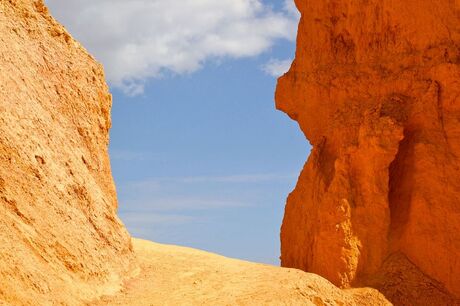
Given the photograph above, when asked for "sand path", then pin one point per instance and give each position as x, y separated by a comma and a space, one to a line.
172, 275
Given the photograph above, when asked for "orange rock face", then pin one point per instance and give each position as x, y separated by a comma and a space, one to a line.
60, 239
375, 87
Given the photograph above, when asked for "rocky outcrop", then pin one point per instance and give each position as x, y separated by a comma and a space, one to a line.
60, 239
61, 242
375, 87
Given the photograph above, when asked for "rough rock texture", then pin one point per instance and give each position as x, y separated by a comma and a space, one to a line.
173, 275
375, 87
60, 239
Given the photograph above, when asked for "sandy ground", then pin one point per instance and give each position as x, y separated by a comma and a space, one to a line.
172, 275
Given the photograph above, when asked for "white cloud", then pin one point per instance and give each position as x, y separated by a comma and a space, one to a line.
289, 6
141, 39
277, 68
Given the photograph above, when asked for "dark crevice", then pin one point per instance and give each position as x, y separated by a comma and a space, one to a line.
401, 183
325, 161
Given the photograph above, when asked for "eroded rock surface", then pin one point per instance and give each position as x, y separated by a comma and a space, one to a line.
375, 87
60, 239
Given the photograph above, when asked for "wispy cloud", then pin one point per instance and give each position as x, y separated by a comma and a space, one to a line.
245, 178
183, 203
182, 208
192, 193
277, 68
291, 9
126, 155
157, 226
145, 218
143, 39
229, 179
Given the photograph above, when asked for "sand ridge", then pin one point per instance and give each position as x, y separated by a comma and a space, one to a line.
173, 275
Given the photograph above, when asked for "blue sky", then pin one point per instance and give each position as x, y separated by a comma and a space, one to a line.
199, 154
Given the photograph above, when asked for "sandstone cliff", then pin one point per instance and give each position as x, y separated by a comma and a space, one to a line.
60, 238
375, 87
61, 242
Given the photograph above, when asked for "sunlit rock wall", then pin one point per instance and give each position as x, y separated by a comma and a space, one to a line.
375, 87
60, 239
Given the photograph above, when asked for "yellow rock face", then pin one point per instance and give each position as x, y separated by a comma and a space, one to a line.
60, 238
61, 242
356, 217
